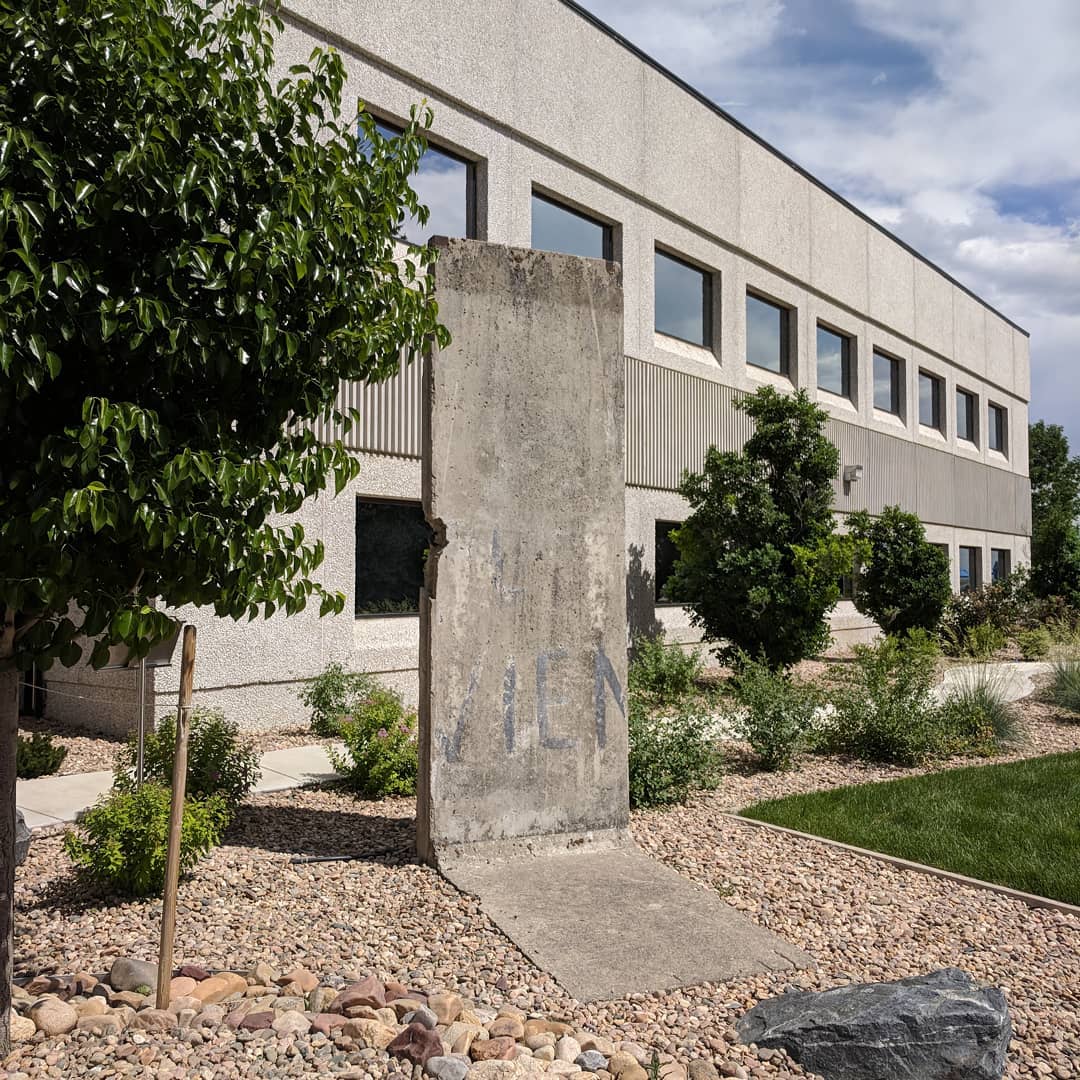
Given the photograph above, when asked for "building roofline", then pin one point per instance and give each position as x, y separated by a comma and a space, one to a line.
612, 33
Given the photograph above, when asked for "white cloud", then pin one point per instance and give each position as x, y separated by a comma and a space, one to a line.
993, 105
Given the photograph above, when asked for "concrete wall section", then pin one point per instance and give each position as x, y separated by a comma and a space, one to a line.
523, 659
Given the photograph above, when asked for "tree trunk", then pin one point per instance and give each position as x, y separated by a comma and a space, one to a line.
9, 728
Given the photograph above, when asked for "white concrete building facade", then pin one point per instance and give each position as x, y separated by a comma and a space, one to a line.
739, 269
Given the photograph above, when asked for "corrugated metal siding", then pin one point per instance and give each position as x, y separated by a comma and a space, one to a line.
390, 415
672, 418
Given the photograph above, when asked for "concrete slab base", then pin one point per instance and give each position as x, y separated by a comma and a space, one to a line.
611, 922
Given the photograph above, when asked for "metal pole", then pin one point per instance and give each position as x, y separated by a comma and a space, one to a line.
141, 680
176, 820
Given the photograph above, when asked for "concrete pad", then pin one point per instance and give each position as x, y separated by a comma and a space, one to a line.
613, 922
300, 764
52, 799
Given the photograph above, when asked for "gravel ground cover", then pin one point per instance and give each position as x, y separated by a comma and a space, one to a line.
92, 751
381, 913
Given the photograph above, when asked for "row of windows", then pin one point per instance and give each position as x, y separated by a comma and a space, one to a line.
683, 303
392, 539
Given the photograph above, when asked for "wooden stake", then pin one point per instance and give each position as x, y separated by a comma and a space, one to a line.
176, 820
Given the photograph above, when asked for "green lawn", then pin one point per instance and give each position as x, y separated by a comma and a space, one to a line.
1015, 824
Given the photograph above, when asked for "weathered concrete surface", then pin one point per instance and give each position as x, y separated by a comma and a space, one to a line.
523, 648
614, 922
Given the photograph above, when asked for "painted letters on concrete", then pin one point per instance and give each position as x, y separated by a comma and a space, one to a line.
523, 650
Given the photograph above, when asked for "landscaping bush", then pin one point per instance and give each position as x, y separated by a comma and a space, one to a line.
884, 704
903, 579
1034, 644
333, 696
670, 756
1007, 606
760, 559
38, 756
380, 756
977, 718
663, 673
1064, 691
220, 763
982, 641
778, 714
122, 842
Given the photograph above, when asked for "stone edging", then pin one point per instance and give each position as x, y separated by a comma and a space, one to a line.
906, 864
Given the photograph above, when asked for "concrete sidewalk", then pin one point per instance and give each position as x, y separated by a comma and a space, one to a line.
54, 800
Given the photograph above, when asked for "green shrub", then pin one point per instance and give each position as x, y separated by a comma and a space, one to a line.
1004, 605
903, 580
380, 756
38, 756
122, 842
760, 559
977, 719
982, 641
778, 714
670, 756
219, 762
663, 673
1064, 691
885, 709
1034, 644
333, 696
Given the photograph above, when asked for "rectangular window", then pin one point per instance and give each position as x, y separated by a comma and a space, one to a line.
446, 185
886, 383
999, 563
997, 429
767, 334
970, 576
682, 300
965, 416
930, 394
392, 539
833, 362
847, 586
558, 228
666, 556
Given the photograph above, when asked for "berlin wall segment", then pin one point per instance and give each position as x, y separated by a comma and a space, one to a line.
523, 616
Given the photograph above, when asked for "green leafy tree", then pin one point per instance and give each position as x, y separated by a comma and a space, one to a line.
759, 556
903, 579
193, 256
1055, 505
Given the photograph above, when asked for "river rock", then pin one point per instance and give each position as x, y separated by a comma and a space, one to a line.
128, 974
53, 1016
931, 1027
22, 838
416, 1044
446, 1067
22, 1028
291, 1023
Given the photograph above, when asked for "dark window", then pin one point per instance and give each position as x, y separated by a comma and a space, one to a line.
682, 300
767, 334
999, 563
392, 539
833, 362
930, 411
997, 433
847, 586
446, 185
886, 383
666, 555
970, 577
558, 228
965, 415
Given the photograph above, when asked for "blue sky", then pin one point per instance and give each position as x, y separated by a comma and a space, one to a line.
955, 123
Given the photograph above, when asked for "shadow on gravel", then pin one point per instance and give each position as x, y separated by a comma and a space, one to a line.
325, 834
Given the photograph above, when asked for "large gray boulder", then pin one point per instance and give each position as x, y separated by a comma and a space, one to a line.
22, 839
940, 1026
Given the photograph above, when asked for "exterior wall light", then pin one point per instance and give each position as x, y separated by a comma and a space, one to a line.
852, 473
